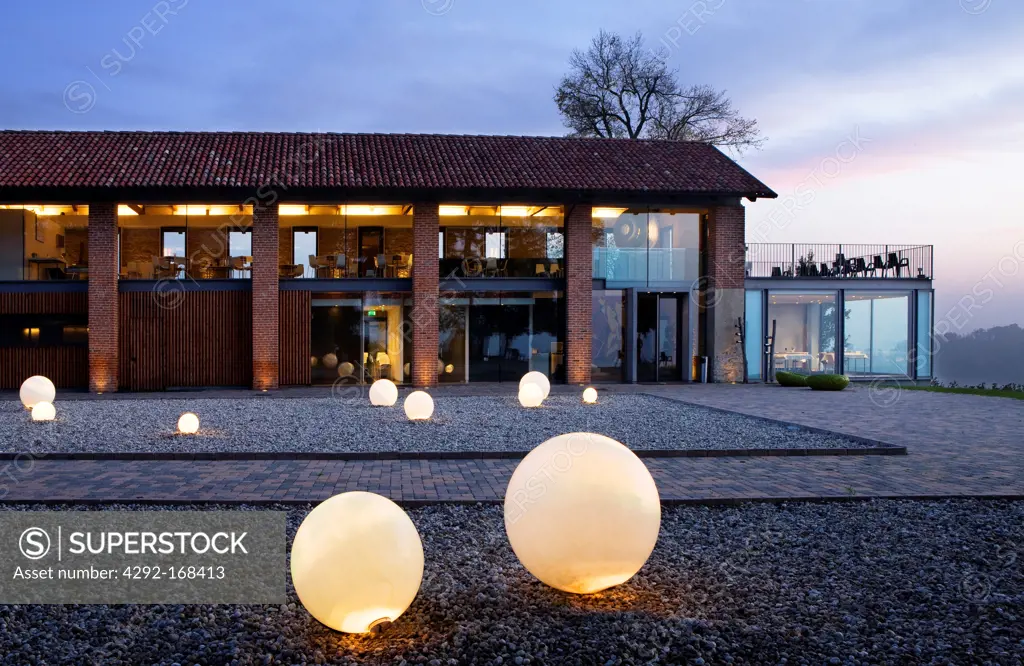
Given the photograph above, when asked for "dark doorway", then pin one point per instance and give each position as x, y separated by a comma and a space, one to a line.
371, 251
659, 332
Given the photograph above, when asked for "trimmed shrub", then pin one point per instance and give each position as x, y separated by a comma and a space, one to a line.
828, 382
790, 378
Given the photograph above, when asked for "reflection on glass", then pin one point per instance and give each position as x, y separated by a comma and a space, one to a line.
668, 338
173, 242
877, 324
754, 343
645, 246
924, 334
806, 330
500, 336
608, 327
361, 338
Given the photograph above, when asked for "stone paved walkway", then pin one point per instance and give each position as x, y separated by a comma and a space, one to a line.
959, 445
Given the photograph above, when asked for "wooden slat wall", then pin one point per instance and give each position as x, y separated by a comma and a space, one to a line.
206, 340
66, 366
294, 316
45, 303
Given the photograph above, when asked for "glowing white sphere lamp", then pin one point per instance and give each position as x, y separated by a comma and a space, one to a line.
188, 424
530, 395
330, 360
357, 562
43, 411
346, 369
419, 406
383, 393
590, 395
37, 389
538, 378
565, 501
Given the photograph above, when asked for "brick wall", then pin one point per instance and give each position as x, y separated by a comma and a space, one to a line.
579, 292
103, 318
425, 295
265, 299
725, 297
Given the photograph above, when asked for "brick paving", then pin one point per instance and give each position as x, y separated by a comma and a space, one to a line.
958, 445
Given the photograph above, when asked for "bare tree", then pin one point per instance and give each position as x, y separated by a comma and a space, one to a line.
618, 88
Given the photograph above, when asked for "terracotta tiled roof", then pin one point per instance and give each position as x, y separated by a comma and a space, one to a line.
38, 159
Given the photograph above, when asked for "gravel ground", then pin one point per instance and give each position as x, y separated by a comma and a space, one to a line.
881, 582
349, 423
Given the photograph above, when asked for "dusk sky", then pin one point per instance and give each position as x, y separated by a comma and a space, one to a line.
920, 100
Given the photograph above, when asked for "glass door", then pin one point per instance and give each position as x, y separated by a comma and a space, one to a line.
659, 337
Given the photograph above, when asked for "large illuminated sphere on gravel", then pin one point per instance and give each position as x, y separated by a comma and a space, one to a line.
383, 393
590, 395
188, 424
530, 395
419, 406
37, 389
357, 562
538, 378
43, 411
582, 513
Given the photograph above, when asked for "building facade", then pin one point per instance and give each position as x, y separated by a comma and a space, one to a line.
156, 260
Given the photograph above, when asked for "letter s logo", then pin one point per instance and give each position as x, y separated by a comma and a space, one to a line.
34, 543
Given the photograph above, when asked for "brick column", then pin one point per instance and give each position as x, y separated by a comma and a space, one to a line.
424, 294
725, 297
265, 298
578, 293
103, 317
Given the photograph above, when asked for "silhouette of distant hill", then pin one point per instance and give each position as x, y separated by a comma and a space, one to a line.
983, 356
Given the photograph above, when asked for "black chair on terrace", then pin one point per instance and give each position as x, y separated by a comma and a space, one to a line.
877, 265
811, 270
860, 267
825, 270
776, 271
896, 262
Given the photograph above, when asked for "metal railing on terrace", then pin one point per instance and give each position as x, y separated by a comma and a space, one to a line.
823, 260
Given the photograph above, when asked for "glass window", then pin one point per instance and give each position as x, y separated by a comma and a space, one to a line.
346, 241
608, 331
876, 327
501, 241
753, 339
673, 246
619, 238
44, 242
44, 330
194, 241
500, 336
360, 338
646, 246
924, 334
304, 250
806, 326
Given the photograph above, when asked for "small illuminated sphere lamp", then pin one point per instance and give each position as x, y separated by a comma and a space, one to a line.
440, 366
43, 411
383, 393
346, 369
449, 369
36, 389
330, 360
419, 406
567, 497
530, 395
590, 395
407, 368
313, 360
357, 562
188, 424
538, 378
